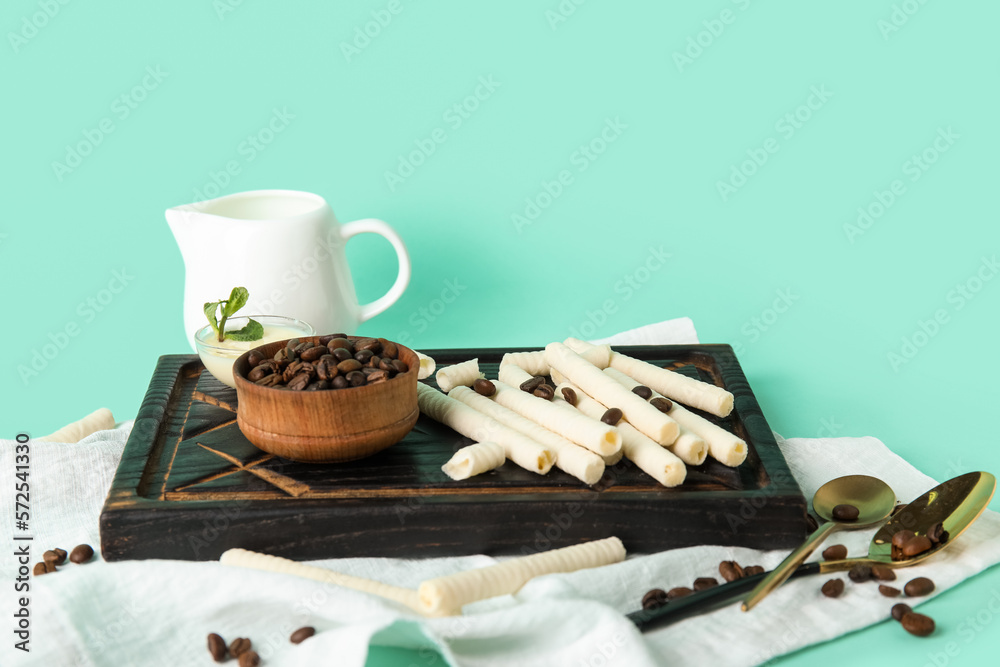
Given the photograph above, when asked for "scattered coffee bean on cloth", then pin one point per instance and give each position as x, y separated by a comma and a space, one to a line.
302, 634
239, 646
888, 591
860, 573
217, 647
654, 599
679, 592
81, 553
833, 588
703, 583
918, 587
730, 570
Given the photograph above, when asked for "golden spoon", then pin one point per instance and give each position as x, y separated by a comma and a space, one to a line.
956, 504
871, 496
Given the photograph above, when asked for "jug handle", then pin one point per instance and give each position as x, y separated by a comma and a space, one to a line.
375, 226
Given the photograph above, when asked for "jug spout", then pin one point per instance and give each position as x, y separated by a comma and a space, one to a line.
182, 221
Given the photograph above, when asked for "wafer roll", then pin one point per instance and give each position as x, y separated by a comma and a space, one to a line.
607, 391
520, 449
723, 446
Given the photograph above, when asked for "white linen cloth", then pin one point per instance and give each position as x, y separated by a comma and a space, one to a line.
159, 612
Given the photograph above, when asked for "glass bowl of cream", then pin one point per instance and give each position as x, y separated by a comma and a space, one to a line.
218, 356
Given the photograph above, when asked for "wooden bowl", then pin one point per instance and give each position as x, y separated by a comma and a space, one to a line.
328, 425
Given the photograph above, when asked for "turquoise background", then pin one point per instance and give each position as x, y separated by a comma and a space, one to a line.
821, 367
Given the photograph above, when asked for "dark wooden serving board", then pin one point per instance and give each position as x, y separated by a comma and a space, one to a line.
190, 486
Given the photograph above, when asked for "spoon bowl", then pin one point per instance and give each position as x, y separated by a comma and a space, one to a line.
871, 496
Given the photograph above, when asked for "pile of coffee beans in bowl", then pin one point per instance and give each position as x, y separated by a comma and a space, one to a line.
334, 362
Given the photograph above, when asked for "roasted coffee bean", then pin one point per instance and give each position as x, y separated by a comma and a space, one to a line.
81, 553
375, 361
545, 391
569, 395
377, 376
356, 378
283, 354
292, 344
752, 570
364, 356
918, 587
730, 570
291, 370
269, 380
860, 573
349, 366
325, 340
341, 354
301, 348
811, 522
249, 659
50, 566
258, 373
642, 391
902, 537
833, 588
935, 532
217, 647
318, 385
883, 573
917, 624
701, 583
61, 553
400, 366
239, 646
532, 384
917, 546
484, 387
39, 569
254, 358
326, 368
386, 365
305, 633
835, 552
888, 591
271, 364
341, 343
299, 382
654, 599
51, 557
340, 382
664, 405
679, 592
900, 610
389, 349
314, 353
612, 416
845, 512
368, 344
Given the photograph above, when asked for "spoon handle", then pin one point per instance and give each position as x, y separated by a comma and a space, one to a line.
778, 575
705, 601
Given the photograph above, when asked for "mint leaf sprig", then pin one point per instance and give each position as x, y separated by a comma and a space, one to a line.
226, 309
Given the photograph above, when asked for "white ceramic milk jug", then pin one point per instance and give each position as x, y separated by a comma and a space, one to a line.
287, 249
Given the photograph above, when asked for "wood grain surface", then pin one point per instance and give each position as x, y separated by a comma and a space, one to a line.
190, 485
